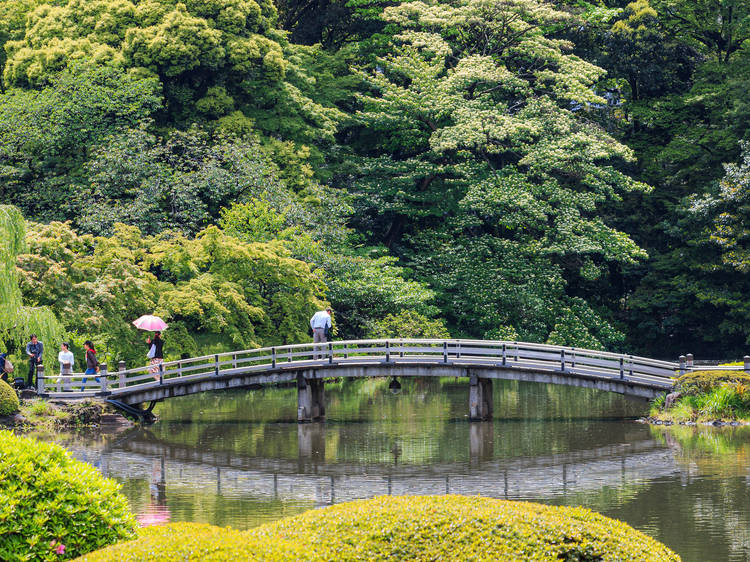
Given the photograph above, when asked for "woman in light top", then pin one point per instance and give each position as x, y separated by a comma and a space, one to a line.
66, 360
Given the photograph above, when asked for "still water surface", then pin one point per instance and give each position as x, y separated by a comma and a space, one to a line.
240, 459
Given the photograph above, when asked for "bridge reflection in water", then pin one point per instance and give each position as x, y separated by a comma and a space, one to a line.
310, 478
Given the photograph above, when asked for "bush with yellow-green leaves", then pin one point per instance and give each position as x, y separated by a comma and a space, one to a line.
53, 507
404, 528
8, 400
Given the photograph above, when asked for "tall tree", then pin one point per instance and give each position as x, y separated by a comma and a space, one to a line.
484, 171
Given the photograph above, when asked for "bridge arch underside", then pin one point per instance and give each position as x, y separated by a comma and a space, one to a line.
314, 376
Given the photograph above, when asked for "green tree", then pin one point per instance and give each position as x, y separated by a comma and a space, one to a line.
216, 292
221, 62
481, 171
47, 135
181, 181
363, 289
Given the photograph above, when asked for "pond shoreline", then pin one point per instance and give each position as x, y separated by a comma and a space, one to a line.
36, 413
710, 423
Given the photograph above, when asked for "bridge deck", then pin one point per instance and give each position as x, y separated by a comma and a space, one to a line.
401, 357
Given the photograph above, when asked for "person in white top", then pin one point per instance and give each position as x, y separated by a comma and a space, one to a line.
66, 360
321, 324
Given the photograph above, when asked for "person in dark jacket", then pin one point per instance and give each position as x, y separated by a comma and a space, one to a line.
34, 349
92, 364
157, 357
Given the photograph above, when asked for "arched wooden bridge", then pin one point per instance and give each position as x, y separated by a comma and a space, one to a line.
310, 364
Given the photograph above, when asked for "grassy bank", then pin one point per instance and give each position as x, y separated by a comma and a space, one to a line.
706, 396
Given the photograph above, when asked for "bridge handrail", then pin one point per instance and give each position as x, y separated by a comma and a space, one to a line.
425, 341
503, 352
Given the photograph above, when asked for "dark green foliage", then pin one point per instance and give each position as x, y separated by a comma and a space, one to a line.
47, 134
542, 171
53, 507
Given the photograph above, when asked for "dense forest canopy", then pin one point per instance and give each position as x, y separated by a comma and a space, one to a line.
565, 172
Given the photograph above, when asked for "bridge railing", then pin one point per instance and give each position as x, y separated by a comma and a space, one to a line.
507, 354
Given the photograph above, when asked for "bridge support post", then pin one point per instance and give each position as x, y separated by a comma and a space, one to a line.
310, 398
480, 398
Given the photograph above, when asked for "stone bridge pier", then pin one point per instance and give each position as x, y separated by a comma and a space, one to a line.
311, 397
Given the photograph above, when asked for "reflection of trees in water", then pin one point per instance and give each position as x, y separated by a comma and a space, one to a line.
708, 450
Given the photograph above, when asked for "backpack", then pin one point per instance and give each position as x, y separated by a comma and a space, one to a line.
8, 368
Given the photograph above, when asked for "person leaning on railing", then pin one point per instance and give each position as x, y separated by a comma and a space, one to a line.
321, 325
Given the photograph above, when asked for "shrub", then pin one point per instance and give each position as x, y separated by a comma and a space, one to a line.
8, 400
405, 528
53, 506
699, 382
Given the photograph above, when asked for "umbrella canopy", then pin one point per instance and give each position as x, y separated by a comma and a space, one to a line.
150, 323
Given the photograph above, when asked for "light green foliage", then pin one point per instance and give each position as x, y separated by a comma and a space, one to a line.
8, 400
243, 295
701, 382
363, 290
709, 395
406, 528
20, 318
48, 499
494, 181
407, 324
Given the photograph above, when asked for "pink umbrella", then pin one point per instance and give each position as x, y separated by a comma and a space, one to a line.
150, 323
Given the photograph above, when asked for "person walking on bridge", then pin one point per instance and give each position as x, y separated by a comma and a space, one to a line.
321, 326
155, 354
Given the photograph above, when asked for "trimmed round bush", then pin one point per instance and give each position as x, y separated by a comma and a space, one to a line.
405, 528
53, 507
8, 400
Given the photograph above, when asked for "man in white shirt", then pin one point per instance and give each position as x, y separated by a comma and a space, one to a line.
320, 324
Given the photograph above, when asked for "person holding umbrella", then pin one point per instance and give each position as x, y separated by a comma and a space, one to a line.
156, 346
155, 353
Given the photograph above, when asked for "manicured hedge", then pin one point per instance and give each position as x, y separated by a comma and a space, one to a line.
405, 528
700, 382
53, 507
8, 400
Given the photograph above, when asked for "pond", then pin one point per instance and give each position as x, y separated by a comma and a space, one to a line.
240, 459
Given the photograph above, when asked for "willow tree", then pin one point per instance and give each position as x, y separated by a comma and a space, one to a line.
18, 321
